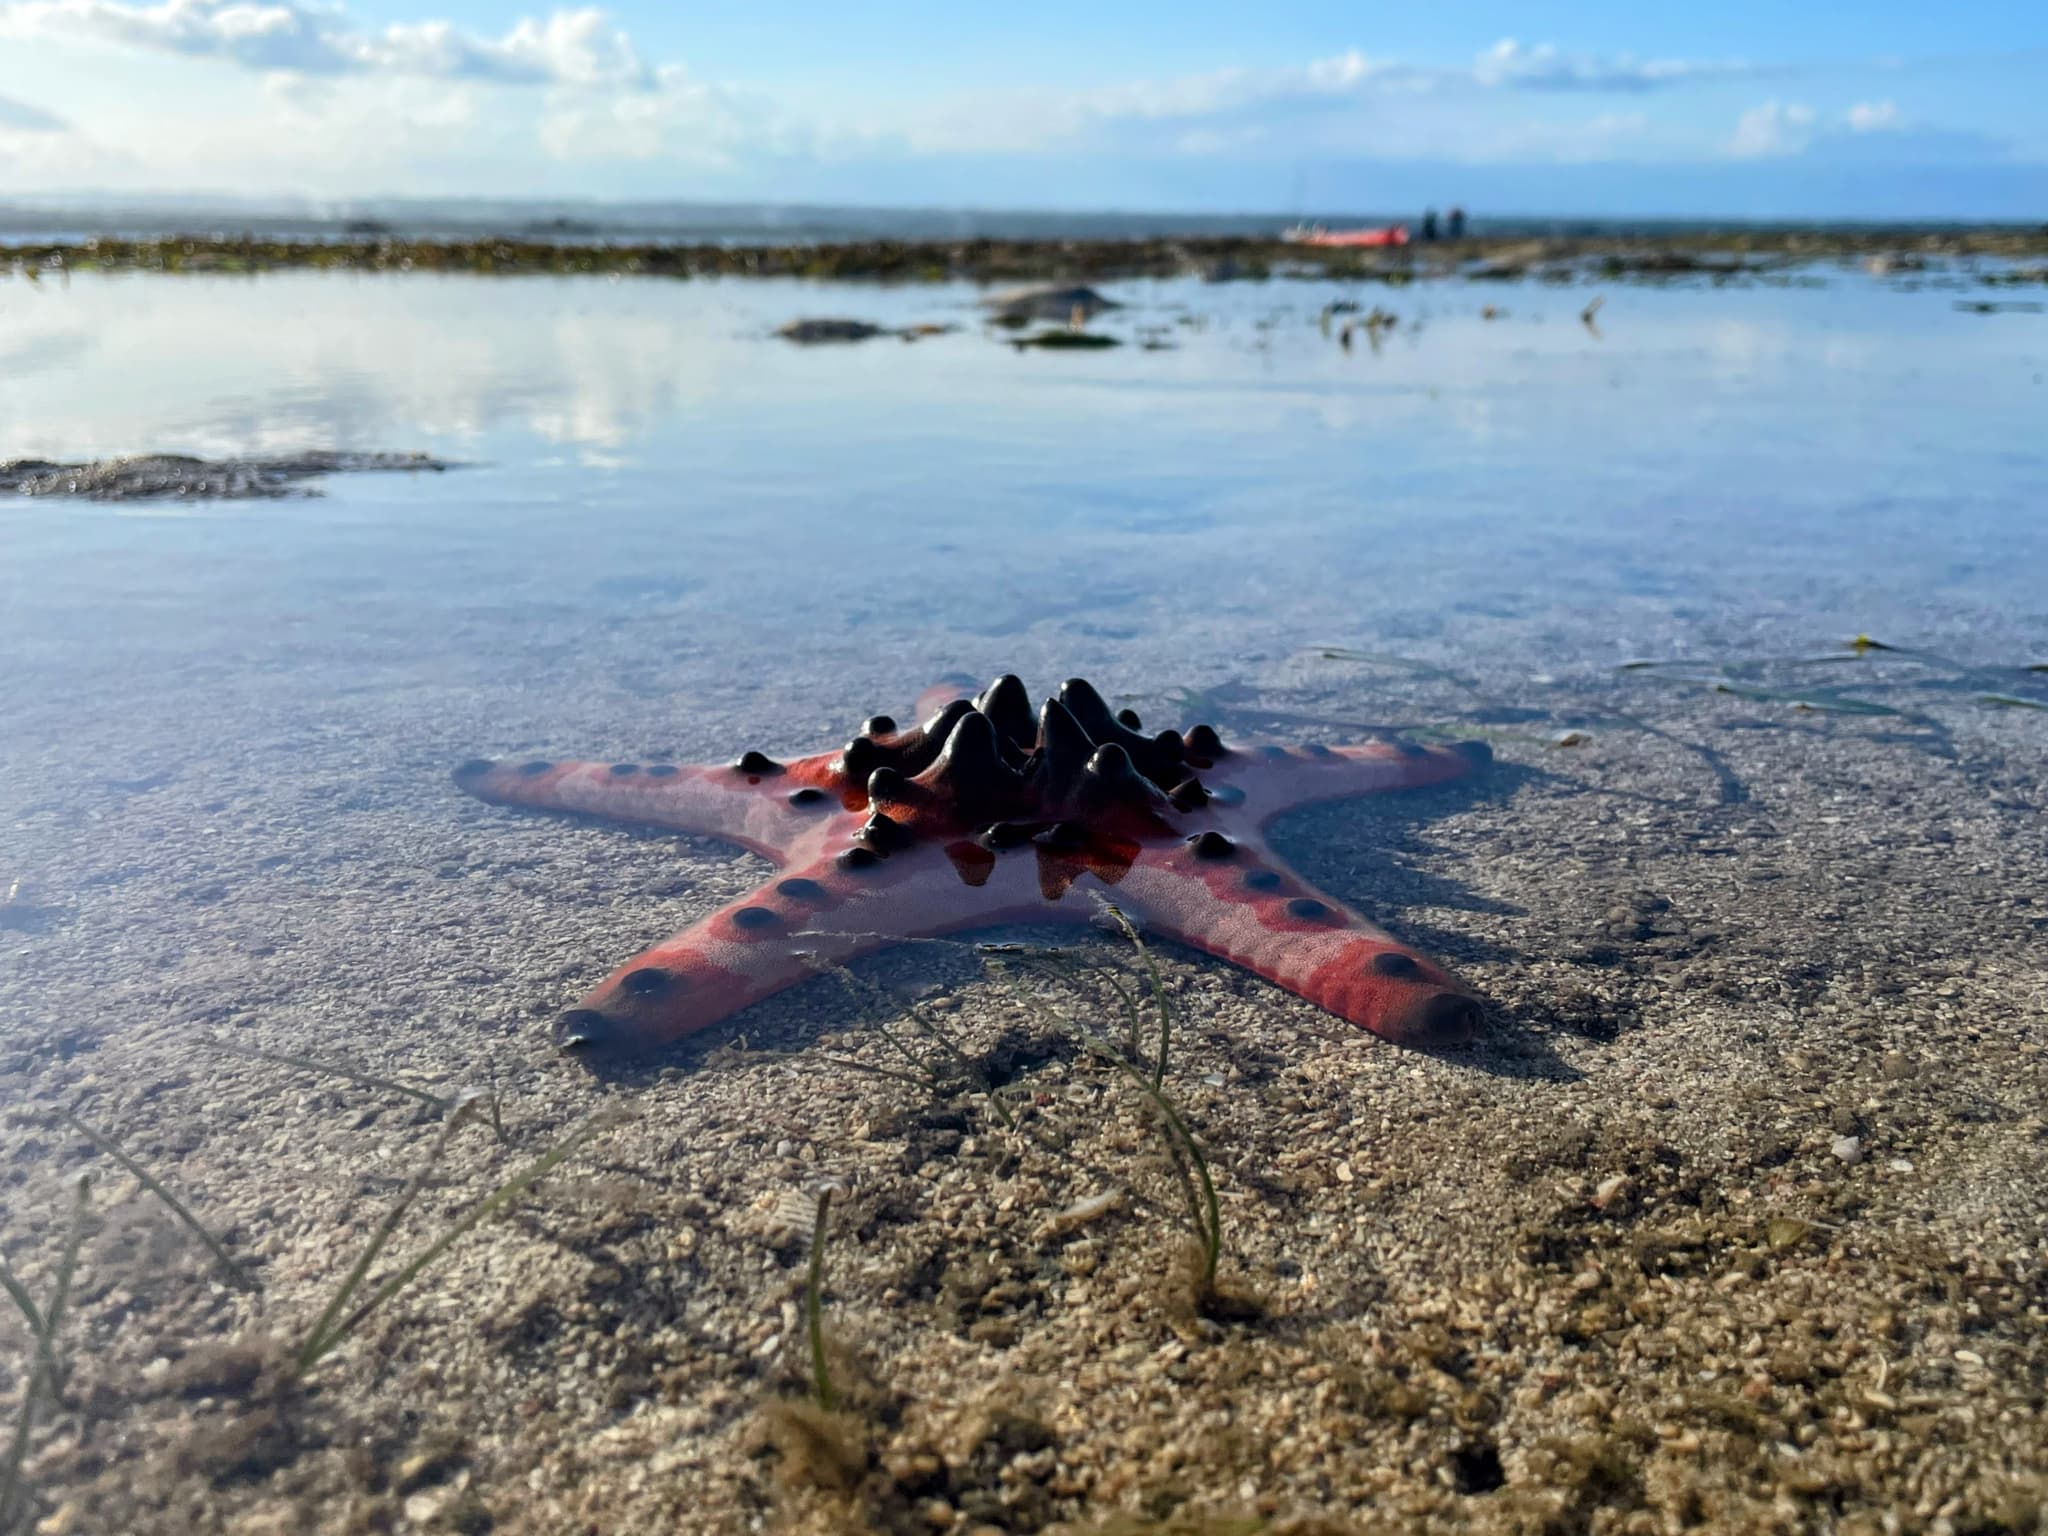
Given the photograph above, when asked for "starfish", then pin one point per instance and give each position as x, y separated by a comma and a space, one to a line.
988, 814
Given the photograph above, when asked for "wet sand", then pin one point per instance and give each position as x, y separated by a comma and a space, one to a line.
1732, 1221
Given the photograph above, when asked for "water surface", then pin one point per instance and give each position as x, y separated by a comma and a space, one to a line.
652, 475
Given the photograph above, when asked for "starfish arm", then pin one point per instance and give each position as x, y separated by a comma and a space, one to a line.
768, 812
1238, 902
1269, 780
813, 915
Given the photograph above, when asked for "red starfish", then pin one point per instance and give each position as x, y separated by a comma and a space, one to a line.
985, 815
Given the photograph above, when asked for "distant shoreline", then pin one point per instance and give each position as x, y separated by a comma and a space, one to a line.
1714, 255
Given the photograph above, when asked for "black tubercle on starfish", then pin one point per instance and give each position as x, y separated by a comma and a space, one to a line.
859, 758
884, 834
757, 762
887, 785
1008, 708
1062, 834
648, 982
989, 770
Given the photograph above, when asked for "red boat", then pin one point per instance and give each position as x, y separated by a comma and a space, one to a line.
1302, 234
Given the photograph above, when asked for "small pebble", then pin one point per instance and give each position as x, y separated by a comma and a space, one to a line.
1848, 1149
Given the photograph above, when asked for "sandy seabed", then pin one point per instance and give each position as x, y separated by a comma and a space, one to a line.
1733, 1220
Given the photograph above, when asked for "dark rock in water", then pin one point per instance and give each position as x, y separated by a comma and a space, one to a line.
157, 476
1071, 341
807, 333
1019, 306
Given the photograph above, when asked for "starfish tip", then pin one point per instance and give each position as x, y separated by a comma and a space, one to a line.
473, 770
584, 1029
1436, 1021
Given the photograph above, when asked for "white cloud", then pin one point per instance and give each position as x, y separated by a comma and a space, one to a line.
1775, 128
678, 120
579, 48
1868, 133
20, 117
301, 95
599, 100
1211, 108
1222, 91
1545, 68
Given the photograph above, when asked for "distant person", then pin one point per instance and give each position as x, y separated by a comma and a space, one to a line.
1456, 222
1428, 225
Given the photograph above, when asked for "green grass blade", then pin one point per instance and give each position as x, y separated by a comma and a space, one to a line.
489, 1206
11, 1283
333, 1069
42, 1375
235, 1275
1824, 700
1158, 991
814, 1304
1205, 1212
1397, 663
325, 1333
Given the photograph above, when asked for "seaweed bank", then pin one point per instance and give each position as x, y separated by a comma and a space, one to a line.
1989, 255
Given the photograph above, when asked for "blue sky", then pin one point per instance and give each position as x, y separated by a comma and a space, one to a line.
1882, 109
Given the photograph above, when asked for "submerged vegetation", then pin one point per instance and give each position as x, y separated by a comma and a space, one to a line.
43, 1380
45, 1373
341, 1319
153, 476
1906, 678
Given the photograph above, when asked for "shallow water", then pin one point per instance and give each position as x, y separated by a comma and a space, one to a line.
1846, 453
671, 526
226, 730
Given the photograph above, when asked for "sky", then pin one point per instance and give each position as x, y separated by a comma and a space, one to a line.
1882, 109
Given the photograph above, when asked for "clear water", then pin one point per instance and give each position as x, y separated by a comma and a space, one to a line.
655, 485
